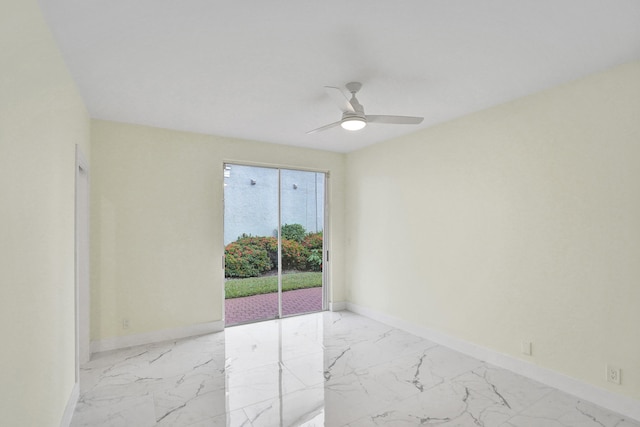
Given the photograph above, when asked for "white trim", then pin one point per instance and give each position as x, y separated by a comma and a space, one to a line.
338, 306
273, 165
614, 402
156, 336
71, 406
81, 287
223, 291
327, 284
279, 236
81, 282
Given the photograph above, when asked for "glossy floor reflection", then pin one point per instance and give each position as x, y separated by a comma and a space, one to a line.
333, 369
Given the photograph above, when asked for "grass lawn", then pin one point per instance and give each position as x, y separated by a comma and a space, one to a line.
235, 288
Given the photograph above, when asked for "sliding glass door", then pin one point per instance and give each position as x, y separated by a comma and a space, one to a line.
251, 216
302, 228
274, 224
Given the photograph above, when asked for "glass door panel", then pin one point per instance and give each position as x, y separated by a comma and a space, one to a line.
251, 208
302, 226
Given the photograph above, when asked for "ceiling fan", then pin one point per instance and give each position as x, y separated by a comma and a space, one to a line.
353, 117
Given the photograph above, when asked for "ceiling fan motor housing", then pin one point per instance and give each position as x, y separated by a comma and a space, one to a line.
358, 113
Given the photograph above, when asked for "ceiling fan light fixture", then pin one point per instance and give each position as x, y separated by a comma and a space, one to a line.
353, 117
353, 123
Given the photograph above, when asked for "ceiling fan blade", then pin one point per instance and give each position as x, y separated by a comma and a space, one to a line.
340, 99
325, 127
395, 120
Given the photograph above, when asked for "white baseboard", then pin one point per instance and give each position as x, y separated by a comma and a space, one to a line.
71, 406
156, 336
337, 306
604, 398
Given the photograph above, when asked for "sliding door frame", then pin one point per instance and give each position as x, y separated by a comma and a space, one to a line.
325, 236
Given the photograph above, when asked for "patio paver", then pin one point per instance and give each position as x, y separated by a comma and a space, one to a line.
262, 307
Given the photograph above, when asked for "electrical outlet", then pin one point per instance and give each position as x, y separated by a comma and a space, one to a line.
525, 347
125, 323
613, 374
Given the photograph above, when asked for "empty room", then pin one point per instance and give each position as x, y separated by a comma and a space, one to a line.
348, 214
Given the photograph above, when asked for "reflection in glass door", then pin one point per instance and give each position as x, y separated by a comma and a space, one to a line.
274, 245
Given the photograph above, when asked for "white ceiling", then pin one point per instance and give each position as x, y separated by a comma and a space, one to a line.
255, 69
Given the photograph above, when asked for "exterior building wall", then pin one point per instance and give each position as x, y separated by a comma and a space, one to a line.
251, 200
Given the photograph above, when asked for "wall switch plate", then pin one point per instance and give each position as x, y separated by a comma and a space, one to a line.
125, 323
613, 374
525, 347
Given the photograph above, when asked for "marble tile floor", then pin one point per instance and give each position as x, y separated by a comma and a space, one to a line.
321, 369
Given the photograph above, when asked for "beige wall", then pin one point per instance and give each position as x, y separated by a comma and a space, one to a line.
521, 222
517, 223
41, 119
157, 223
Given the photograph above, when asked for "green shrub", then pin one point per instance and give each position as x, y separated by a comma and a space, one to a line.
313, 241
270, 244
314, 260
245, 260
250, 256
295, 232
312, 244
294, 255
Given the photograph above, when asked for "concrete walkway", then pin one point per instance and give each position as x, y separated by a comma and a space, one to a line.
262, 307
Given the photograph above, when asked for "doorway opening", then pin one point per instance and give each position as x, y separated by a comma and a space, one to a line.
274, 235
